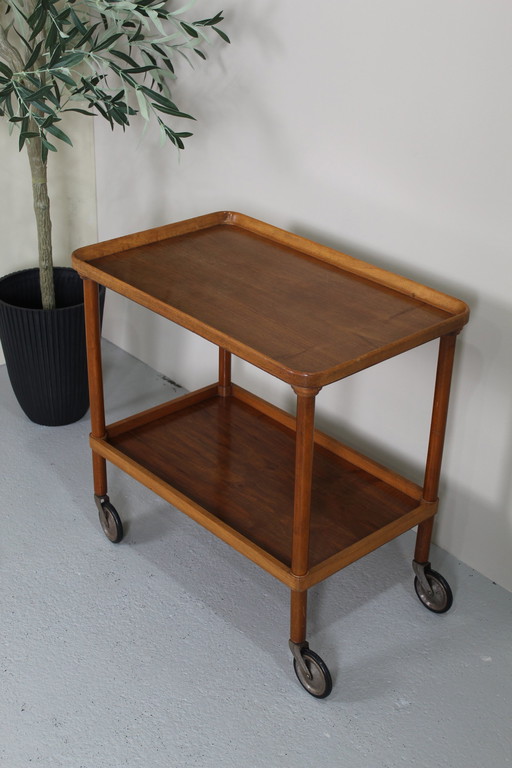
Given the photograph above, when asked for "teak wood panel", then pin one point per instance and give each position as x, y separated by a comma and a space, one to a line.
308, 315
238, 464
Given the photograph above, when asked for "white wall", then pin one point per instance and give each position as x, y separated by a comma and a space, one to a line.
382, 129
71, 183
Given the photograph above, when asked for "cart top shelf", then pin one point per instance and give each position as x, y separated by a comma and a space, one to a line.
299, 310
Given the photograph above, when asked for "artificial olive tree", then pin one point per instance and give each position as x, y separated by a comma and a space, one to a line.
112, 58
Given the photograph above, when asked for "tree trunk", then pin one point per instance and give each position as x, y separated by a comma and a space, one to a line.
38, 169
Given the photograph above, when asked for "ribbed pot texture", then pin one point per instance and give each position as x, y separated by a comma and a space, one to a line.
45, 350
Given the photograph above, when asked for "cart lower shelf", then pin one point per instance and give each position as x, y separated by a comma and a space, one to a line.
229, 463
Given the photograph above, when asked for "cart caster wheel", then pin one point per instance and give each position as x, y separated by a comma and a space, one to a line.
318, 681
110, 521
439, 599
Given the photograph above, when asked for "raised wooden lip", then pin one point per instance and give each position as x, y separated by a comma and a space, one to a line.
404, 285
457, 311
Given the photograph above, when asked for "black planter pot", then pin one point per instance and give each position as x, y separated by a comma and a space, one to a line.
45, 349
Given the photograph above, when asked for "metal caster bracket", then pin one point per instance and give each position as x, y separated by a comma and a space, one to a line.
100, 500
296, 649
419, 571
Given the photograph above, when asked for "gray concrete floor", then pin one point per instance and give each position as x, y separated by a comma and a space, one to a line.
170, 649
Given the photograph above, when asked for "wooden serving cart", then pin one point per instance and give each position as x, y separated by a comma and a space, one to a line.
290, 498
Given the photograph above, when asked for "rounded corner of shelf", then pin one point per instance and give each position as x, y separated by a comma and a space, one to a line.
229, 216
79, 256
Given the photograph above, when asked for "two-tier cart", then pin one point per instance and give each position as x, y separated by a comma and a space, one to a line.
290, 498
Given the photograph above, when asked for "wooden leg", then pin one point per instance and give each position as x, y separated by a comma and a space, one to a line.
310, 669
436, 441
97, 406
423, 539
224, 372
298, 616
302, 502
99, 473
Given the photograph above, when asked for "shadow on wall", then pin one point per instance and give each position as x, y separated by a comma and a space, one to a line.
391, 264
411, 466
479, 499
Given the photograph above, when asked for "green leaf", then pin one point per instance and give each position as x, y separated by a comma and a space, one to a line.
35, 54
49, 121
24, 133
42, 107
189, 30
78, 24
5, 70
71, 60
222, 34
126, 77
172, 110
59, 134
107, 42
37, 20
63, 76
52, 38
41, 92
143, 105
139, 70
124, 56
88, 34
147, 56
137, 35
81, 111
54, 95
8, 106
58, 51
102, 111
47, 144
210, 22
165, 59
36, 81
119, 116
157, 97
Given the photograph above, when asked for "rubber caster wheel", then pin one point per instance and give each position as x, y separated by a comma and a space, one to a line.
319, 684
110, 522
440, 598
